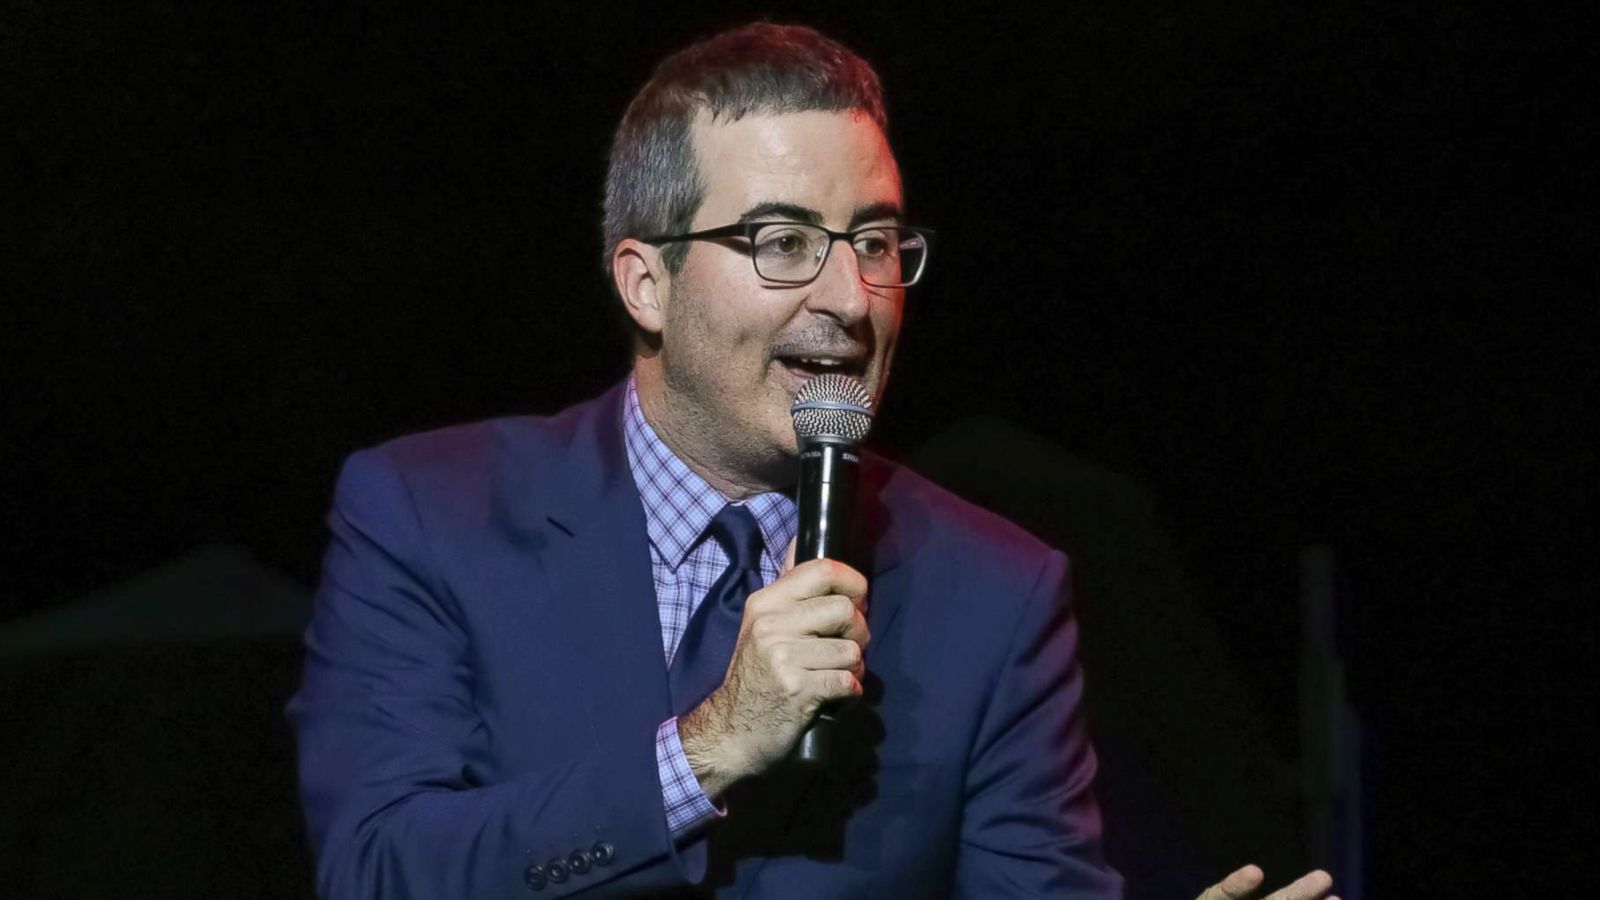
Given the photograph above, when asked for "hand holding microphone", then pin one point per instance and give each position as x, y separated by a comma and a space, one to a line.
802, 638
832, 415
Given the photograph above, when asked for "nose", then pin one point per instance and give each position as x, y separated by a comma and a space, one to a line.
838, 290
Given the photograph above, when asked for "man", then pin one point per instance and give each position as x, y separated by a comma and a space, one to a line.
570, 654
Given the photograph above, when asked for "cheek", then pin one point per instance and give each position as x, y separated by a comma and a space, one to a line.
712, 327
716, 306
886, 314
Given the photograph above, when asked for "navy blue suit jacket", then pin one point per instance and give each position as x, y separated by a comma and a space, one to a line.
484, 678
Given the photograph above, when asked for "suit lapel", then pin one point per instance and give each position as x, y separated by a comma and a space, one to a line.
596, 560
882, 543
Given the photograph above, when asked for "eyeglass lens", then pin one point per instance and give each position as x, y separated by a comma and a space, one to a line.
887, 257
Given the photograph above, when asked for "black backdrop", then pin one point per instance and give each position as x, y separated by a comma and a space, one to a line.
1309, 275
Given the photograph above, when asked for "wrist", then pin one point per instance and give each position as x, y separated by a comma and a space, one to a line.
709, 750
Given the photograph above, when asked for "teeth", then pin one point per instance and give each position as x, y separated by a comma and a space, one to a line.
821, 362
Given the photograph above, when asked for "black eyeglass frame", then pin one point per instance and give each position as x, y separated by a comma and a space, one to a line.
747, 230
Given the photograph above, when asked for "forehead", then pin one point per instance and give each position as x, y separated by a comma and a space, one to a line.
830, 162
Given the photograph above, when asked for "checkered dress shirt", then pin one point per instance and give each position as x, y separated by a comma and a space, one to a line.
678, 507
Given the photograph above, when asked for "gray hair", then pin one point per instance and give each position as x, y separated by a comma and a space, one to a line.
653, 183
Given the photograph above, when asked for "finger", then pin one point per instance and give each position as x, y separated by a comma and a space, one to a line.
1313, 885
832, 616
788, 556
856, 629
829, 616
829, 653
1237, 886
832, 684
813, 578
816, 577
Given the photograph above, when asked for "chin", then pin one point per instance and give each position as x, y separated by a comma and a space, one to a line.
781, 440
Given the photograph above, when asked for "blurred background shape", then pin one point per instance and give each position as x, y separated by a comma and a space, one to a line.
145, 752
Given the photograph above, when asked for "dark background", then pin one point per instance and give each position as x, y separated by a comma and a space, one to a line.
1308, 276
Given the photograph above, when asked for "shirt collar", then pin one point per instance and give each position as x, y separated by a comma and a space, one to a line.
679, 504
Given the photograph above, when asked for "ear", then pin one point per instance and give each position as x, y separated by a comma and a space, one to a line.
641, 279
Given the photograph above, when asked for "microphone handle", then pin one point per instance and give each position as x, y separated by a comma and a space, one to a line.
825, 496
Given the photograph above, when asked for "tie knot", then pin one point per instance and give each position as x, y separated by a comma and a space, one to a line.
735, 529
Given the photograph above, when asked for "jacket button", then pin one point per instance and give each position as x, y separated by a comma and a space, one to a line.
556, 869
578, 861
534, 878
603, 853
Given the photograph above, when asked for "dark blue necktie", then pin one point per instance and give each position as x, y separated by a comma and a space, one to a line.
703, 652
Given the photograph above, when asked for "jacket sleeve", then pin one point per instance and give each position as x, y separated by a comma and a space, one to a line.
392, 753
1030, 826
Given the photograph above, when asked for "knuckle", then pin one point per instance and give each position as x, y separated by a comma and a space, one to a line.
791, 684
848, 579
844, 684
763, 628
852, 654
781, 656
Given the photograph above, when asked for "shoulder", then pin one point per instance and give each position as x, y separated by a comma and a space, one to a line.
469, 467
463, 450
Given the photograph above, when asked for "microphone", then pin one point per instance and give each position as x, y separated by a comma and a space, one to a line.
832, 414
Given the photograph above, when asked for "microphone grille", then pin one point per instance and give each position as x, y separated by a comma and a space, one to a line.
832, 406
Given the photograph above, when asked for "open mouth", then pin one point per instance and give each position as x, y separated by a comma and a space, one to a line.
804, 367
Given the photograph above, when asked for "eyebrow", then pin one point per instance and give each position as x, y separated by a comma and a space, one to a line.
772, 209
875, 212
787, 211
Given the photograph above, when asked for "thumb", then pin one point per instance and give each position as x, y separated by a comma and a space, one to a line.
788, 555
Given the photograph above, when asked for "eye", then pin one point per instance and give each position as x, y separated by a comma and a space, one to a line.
875, 243
781, 243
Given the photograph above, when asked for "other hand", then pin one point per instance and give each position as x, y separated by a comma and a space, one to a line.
1243, 884
800, 645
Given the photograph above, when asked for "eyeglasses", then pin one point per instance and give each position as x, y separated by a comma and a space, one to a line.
890, 256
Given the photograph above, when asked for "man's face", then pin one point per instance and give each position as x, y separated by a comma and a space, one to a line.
735, 349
